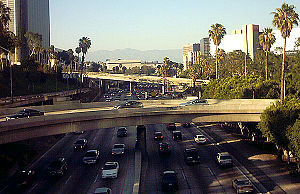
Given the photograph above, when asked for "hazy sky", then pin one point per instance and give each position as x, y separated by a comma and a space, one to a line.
152, 24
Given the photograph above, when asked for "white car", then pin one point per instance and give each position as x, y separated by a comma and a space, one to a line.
200, 139
224, 159
110, 170
242, 185
91, 157
103, 190
118, 149
195, 102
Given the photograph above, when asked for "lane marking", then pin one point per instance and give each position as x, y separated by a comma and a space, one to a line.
32, 188
68, 179
96, 178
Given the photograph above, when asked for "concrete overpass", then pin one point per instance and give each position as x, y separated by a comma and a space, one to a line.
141, 78
64, 121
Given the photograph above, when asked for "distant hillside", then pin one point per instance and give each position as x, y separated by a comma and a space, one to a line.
149, 55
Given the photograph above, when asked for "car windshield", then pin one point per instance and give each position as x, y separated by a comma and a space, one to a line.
244, 182
110, 166
55, 164
122, 129
225, 157
157, 133
170, 177
118, 146
201, 136
79, 141
21, 112
90, 154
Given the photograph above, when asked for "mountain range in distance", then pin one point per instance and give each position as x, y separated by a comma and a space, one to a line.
134, 54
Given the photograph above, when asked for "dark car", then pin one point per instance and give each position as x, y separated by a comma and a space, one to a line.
122, 132
171, 126
169, 181
23, 179
191, 156
158, 135
164, 148
80, 144
58, 167
25, 113
130, 104
177, 135
186, 125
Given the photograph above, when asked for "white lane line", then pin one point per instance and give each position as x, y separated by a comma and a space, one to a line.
94, 139
96, 178
68, 180
32, 188
184, 177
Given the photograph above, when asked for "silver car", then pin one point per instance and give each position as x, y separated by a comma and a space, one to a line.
242, 185
91, 157
118, 149
195, 102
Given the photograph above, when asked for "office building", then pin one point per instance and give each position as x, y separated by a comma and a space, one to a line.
204, 46
32, 16
191, 54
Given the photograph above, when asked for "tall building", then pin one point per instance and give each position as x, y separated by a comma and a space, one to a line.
191, 54
204, 46
32, 16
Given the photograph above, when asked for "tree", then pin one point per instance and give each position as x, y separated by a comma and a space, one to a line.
78, 51
217, 33
297, 43
284, 19
34, 41
71, 57
4, 17
194, 73
266, 40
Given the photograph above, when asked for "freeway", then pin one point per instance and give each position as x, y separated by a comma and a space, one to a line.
205, 177
79, 177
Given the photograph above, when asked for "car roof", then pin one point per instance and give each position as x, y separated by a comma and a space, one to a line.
169, 172
109, 163
102, 189
224, 154
176, 131
119, 144
92, 151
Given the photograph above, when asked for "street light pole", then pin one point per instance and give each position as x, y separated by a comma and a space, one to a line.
10, 75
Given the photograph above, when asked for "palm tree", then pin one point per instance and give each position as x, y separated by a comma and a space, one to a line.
217, 33
284, 19
266, 40
194, 72
34, 41
84, 45
297, 43
78, 51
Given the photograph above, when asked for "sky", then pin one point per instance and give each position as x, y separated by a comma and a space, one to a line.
152, 24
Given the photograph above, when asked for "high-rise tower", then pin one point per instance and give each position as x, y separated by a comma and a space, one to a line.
29, 15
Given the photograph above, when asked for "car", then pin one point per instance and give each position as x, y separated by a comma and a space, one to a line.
195, 102
118, 149
169, 181
57, 167
191, 156
186, 125
103, 190
110, 170
122, 132
25, 113
129, 104
224, 159
91, 157
200, 139
242, 185
80, 144
171, 126
164, 148
79, 132
23, 179
158, 135
177, 135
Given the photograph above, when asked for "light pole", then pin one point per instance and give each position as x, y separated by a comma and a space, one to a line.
10, 75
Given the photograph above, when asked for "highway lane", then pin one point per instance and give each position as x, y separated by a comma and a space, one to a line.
81, 178
205, 177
